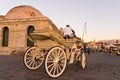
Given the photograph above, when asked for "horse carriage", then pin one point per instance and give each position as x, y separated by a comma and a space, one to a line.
54, 51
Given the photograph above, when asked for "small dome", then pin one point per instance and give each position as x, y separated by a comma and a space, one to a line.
23, 11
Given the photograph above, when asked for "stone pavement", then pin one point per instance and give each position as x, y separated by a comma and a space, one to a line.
12, 68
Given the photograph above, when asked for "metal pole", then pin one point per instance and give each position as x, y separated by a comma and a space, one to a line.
84, 31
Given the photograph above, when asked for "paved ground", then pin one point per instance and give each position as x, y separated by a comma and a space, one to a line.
99, 67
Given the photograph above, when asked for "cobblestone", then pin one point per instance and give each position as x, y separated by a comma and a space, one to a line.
13, 68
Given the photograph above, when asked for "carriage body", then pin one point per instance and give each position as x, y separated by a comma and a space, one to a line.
51, 48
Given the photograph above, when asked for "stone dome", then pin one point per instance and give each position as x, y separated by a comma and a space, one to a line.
22, 12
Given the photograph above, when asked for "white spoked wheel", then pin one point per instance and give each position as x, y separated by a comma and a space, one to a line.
83, 60
55, 62
33, 58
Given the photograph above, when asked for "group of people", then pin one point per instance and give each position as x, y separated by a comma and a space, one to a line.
68, 32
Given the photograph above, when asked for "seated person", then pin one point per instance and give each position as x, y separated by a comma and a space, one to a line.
68, 32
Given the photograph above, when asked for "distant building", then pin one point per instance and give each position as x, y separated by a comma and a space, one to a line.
17, 24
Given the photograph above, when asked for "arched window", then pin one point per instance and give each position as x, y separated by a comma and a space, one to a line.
30, 30
5, 37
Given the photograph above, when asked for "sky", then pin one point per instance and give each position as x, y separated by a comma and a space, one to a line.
102, 17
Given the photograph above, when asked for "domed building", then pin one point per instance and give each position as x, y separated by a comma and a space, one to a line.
16, 26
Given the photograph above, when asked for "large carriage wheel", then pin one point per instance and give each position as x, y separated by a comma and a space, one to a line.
82, 60
33, 58
55, 62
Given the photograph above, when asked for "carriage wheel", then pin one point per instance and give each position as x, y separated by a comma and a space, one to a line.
33, 58
81, 60
55, 62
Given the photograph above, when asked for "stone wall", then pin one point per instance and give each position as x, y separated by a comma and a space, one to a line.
18, 32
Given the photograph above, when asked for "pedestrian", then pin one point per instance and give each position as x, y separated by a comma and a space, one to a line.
89, 50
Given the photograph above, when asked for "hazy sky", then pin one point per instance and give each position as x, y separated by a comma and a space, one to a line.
102, 17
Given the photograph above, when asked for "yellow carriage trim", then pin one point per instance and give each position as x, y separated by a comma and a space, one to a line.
49, 34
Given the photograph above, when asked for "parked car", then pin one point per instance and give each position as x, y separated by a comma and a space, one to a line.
118, 53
